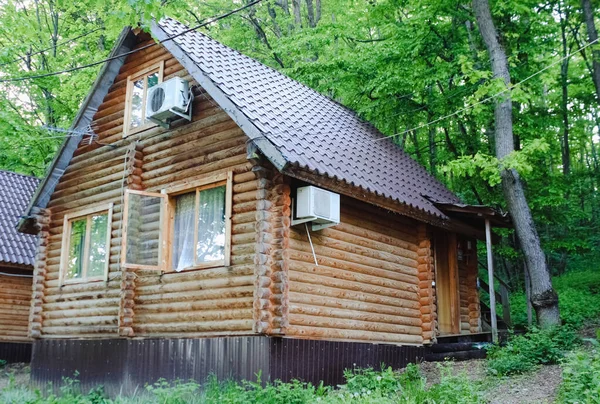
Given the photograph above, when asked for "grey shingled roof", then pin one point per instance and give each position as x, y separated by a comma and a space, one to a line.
15, 192
309, 129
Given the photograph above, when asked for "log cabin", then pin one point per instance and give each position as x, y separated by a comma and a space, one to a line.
17, 255
211, 215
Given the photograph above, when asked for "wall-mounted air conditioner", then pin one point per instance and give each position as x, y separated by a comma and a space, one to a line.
168, 100
318, 206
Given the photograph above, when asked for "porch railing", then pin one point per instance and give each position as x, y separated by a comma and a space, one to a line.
502, 296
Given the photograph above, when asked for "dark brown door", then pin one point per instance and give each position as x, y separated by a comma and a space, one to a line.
447, 288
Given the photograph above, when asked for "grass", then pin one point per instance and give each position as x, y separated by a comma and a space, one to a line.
363, 386
579, 298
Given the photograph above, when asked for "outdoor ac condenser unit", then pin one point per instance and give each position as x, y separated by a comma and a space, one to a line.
318, 206
167, 100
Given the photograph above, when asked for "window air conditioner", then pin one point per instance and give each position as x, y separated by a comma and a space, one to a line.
318, 206
167, 100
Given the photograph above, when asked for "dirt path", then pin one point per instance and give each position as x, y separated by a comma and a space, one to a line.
539, 386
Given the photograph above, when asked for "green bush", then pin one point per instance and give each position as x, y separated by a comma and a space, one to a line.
581, 378
523, 353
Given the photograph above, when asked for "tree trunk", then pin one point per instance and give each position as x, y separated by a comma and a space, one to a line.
297, 15
543, 296
317, 11
564, 71
588, 15
310, 10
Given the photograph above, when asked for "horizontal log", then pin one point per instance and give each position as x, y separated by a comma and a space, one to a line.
344, 314
297, 284
372, 278
351, 335
150, 300
202, 316
194, 327
346, 256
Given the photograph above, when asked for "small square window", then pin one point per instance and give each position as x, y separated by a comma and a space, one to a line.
135, 102
86, 245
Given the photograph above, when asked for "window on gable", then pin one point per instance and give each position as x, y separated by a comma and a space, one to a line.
86, 245
181, 228
137, 90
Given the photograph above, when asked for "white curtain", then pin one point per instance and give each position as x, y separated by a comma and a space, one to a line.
211, 225
183, 242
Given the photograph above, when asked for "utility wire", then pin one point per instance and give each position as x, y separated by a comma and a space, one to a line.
490, 97
210, 21
51, 47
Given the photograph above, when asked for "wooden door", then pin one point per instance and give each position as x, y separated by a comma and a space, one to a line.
447, 287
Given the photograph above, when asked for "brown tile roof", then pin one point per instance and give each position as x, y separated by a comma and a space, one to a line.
15, 192
309, 129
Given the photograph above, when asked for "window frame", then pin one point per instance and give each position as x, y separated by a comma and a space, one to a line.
66, 242
227, 248
162, 237
127, 129
167, 221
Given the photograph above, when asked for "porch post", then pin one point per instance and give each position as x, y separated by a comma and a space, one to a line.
490, 265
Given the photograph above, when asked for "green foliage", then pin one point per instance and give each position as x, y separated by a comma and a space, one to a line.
579, 298
523, 353
581, 378
364, 386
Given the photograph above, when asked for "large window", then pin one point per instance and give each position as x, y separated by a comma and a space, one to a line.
183, 227
86, 245
199, 227
137, 90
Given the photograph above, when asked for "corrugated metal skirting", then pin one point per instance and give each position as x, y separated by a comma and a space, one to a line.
124, 366
315, 360
13, 352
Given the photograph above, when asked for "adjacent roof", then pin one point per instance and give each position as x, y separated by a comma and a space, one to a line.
309, 129
15, 192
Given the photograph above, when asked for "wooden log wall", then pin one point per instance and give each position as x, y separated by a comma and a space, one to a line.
272, 239
42, 224
141, 302
426, 279
15, 302
470, 321
366, 286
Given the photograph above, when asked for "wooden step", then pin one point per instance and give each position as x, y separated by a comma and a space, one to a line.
456, 356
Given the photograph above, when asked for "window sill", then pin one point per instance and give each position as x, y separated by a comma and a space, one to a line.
206, 265
76, 281
135, 131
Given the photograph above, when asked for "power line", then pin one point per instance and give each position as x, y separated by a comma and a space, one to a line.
210, 21
490, 97
52, 47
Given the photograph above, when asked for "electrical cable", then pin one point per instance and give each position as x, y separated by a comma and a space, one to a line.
67, 41
490, 97
99, 62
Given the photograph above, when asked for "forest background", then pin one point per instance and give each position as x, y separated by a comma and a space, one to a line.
417, 70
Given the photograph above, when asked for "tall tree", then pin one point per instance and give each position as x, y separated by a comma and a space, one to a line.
588, 15
543, 296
